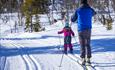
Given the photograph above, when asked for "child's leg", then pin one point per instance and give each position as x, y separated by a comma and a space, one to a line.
65, 47
65, 43
70, 47
69, 43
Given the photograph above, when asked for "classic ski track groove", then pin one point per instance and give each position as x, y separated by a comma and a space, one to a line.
36, 64
75, 60
29, 58
2, 63
25, 59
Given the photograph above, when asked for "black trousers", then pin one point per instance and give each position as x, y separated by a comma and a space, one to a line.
84, 38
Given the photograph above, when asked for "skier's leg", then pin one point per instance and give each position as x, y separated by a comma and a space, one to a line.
88, 47
82, 44
82, 49
71, 48
65, 45
88, 51
65, 48
69, 44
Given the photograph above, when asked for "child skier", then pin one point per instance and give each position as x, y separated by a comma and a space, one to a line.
67, 38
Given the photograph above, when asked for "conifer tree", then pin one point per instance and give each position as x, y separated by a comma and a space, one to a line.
34, 7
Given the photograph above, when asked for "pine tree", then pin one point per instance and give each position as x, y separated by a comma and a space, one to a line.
34, 7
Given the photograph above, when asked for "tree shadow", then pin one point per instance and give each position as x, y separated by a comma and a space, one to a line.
29, 50
34, 50
103, 35
98, 45
32, 38
103, 45
104, 64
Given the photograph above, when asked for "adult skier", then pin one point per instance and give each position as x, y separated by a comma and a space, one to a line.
84, 15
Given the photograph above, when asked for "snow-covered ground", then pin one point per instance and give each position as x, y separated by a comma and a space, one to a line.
39, 50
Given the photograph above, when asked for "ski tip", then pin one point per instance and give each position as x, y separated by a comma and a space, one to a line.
87, 64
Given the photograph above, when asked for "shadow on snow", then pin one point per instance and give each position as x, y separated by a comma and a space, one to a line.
29, 50
98, 45
32, 38
104, 64
103, 45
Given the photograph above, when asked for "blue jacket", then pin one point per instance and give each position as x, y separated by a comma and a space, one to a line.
83, 15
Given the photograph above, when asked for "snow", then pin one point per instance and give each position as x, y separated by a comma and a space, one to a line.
39, 50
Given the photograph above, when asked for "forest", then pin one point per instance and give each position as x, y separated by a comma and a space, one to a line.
29, 9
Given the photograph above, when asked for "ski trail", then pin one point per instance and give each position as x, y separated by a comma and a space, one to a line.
76, 57
30, 58
75, 60
28, 65
24, 57
96, 68
2, 62
36, 64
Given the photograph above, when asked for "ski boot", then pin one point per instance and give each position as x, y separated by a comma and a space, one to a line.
71, 51
65, 52
83, 61
88, 62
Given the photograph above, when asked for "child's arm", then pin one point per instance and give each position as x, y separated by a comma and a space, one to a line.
60, 32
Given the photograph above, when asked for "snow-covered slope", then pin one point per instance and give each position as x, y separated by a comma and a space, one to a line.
39, 50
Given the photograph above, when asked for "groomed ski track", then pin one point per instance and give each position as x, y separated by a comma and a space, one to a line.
44, 54
76, 58
30, 62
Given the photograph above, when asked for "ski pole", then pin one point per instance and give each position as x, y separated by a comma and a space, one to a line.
59, 42
61, 60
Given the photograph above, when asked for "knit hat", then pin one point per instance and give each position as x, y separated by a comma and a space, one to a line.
66, 24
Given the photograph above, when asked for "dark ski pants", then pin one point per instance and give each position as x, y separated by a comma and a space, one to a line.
67, 43
84, 38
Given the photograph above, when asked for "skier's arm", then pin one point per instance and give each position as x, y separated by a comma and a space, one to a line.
94, 13
74, 17
72, 33
60, 32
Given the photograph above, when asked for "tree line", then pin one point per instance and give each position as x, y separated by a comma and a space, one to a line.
26, 9
32, 8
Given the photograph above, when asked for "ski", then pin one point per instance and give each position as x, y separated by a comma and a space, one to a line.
90, 67
84, 66
76, 60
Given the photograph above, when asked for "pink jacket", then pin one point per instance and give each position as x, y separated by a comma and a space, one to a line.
67, 32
